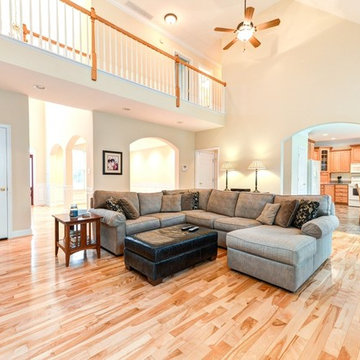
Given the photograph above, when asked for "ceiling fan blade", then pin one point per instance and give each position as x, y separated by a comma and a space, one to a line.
224, 29
254, 42
249, 12
231, 43
267, 24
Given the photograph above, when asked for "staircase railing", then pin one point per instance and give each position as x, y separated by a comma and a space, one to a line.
67, 29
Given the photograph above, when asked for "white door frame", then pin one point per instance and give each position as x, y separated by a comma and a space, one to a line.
9, 179
217, 167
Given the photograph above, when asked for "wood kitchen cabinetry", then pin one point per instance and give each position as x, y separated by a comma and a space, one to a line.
338, 192
355, 153
340, 160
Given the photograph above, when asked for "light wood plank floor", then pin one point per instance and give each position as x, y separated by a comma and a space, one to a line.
96, 309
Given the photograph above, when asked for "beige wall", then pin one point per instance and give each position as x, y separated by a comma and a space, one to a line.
152, 169
14, 112
305, 73
116, 133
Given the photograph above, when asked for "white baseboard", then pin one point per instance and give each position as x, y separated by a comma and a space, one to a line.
20, 233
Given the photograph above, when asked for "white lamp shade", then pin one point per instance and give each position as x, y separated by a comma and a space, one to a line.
256, 165
227, 165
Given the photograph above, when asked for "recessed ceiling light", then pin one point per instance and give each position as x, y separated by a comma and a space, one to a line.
333, 138
325, 134
126, 108
179, 122
39, 87
170, 18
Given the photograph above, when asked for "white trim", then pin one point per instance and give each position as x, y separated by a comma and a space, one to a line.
9, 178
20, 233
142, 19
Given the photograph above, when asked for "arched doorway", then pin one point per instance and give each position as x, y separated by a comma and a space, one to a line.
320, 156
76, 171
56, 176
154, 165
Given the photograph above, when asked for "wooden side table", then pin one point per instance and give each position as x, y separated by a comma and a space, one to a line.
77, 234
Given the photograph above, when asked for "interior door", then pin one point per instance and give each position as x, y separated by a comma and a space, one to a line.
3, 185
205, 170
32, 179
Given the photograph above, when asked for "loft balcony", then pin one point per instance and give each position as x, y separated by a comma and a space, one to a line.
116, 61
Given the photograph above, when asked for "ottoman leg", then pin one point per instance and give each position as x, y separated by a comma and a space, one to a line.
154, 282
212, 258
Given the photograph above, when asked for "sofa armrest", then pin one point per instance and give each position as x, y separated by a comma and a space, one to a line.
320, 226
109, 217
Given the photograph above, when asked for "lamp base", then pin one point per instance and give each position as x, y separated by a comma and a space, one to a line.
256, 191
227, 189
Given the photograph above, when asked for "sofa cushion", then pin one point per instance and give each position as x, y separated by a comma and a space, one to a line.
234, 223
171, 203
307, 211
286, 213
204, 195
143, 223
250, 205
325, 207
169, 219
268, 214
320, 226
100, 197
175, 192
222, 202
109, 217
202, 218
285, 245
150, 202
129, 209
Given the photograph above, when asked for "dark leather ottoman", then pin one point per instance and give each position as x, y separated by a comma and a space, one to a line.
163, 252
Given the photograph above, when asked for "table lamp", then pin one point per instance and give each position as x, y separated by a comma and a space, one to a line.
256, 165
227, 166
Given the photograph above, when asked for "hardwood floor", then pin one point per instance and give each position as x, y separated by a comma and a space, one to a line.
96, 309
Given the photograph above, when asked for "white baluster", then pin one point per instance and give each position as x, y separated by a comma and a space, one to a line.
73, 32
116, 72
80, 36
87, 40
110, 52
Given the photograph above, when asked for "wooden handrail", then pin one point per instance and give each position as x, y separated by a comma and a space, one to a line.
26, 32
141, 41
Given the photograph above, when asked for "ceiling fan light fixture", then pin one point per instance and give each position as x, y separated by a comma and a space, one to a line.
245, 32
170, 18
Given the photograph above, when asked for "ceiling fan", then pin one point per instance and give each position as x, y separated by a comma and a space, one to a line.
246, 29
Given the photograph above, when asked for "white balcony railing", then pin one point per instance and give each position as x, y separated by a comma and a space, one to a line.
69, 30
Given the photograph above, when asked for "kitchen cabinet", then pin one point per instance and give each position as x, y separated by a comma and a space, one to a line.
325, 158
340, 160
341, 194
311, 148
316, 154
324, 177
355, 153
328, 189
338, 192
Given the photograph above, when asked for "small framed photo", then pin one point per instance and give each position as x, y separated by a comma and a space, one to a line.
112, 162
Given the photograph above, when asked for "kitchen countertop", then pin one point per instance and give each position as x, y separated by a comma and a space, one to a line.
335, 183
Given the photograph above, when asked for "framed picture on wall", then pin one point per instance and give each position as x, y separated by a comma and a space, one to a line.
112, 162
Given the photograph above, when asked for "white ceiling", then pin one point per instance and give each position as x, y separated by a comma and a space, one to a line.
338, 131
197, 19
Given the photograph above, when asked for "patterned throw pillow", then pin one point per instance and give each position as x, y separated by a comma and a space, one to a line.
190, 201
114, 205
307, 211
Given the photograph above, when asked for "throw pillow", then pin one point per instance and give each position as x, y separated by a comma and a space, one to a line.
286, 213
129, 209
171, 203
306, 212
268, 214
190, 201
113, 204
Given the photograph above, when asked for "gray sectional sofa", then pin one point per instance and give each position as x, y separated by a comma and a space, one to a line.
285, 257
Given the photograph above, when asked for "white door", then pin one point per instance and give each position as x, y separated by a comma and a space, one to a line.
302, 171
3, 185
205, 170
